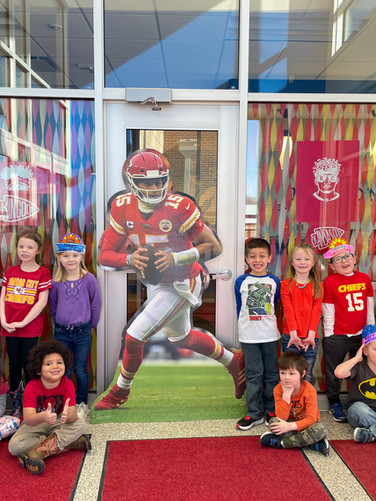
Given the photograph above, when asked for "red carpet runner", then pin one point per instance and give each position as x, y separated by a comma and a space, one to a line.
361, 459
55, 483
210, 469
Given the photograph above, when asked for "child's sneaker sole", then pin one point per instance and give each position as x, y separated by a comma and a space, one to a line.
246, 424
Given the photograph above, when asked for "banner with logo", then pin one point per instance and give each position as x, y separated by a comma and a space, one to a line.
327, 185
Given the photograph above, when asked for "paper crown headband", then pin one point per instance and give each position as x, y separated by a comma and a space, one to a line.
337, 246
71, 243
368, 334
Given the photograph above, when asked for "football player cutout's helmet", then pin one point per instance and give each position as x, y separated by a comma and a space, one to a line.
147, 165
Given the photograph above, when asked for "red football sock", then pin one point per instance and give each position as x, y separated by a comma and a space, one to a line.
202, 343
132, 358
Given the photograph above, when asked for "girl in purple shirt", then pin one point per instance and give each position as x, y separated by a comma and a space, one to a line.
75, 306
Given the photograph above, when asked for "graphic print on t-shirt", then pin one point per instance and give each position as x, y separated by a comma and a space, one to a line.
367, 388
21, 291
259, 299
56, 402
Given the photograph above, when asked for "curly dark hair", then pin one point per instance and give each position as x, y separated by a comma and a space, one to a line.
41, 350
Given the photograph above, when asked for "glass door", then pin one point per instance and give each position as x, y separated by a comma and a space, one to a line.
199, 143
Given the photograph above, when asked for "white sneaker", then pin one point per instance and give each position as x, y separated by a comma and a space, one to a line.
82, 410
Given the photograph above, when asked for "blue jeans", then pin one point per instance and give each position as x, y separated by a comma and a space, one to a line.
78, 340
309, 355
361, 414
260, 369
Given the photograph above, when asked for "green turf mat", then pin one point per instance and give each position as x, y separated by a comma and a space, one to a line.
176, 393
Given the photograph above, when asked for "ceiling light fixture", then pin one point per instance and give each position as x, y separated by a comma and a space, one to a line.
55, 27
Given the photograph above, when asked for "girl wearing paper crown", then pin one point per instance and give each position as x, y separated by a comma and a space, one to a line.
347, 308
75, 306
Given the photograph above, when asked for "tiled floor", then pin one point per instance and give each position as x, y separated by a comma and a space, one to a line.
338, 479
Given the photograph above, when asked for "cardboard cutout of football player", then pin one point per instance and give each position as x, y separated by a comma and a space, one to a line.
161, 235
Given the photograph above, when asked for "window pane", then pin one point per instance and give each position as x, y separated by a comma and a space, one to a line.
315, 178
175, 44
312, 47
4, 70
47, 179
54, 39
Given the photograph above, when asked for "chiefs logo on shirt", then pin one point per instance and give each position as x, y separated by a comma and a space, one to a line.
165, 225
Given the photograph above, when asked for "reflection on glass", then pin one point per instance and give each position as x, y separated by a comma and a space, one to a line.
320, 47
172, 44
21, 77
193, 159
54, 39
4, 71
4, 21
289, 136
46, 177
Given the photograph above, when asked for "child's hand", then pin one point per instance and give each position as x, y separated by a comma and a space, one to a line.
17, 325
287, 392
294, 339
359, 354
64, 414
8, 327
309, 340
281, 426
49, 416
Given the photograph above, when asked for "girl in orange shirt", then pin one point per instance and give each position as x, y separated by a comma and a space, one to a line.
302, 295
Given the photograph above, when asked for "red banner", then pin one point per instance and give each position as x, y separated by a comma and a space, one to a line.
327, 181
327, 188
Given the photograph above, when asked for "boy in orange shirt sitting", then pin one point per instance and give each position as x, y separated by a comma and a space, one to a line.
297, 422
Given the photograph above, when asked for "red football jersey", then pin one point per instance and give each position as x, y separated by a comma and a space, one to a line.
171, 227
349, 296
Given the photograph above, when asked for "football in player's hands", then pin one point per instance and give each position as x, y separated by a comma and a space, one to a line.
150, 274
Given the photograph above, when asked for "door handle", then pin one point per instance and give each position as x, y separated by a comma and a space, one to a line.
223, 274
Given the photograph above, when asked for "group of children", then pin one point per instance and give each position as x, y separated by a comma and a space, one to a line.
50, 421
278, 390
345, 301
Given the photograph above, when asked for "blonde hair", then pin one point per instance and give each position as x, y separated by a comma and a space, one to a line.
60, 274
313, 276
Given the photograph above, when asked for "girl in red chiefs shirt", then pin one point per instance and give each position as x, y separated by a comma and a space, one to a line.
301, 297
24, 295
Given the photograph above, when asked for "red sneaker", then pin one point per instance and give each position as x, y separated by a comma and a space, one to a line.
114, 398
237, 371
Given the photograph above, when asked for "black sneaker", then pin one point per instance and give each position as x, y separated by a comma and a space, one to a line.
321, 446
247, 423
269, 439
268, 417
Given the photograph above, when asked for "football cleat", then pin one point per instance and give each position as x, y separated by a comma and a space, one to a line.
114, 398
237, 370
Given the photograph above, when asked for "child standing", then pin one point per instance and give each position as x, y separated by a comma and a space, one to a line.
75, 306
24, 295
50, 424
361, 408
301, 296
257, 294
297, 422
347, 308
